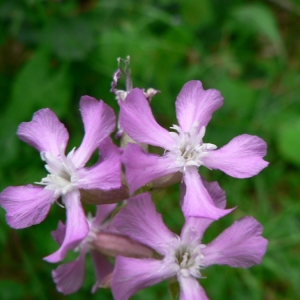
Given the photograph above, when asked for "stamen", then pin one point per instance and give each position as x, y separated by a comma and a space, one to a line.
189, 149
59, 204
188, 258
62, 177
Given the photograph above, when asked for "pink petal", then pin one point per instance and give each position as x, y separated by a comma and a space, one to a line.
77, 227
99, 122
140, 221
103, 212
103, 267
240, 245
216, 193
197, 201
194, 228
26, 205
138, 122
194, 104
69, 277
190, 289
106, 174
59, 233
240, 158
142, 167
131, 275
45, 132
109, 150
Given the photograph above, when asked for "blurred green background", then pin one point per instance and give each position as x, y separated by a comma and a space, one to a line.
53, 52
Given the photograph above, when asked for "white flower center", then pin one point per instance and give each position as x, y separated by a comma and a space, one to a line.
62, 177
189, 149
187, 257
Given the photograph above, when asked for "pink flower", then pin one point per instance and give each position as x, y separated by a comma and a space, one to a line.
69, 277
29, 205
184, 256
185, 150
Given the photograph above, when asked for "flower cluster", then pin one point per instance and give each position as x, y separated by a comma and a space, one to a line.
127, 228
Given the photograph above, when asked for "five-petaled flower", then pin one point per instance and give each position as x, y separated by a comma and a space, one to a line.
182, 257
29, 205
185, 150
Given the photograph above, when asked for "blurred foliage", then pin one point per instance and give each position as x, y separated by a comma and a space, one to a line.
53, 52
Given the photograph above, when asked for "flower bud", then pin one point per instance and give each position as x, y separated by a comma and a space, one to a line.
113, 244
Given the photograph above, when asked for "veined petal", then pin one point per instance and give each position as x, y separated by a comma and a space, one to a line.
242, 157
240, 245
69, 276
99, 122
45, 132
190, 289
59, 233
195, 105
194, 228
103, 212
77, 227
138, 122
197, 201
26, 205
131, 275
140, 221
217, 194
109, 150
142, 167
103, 267
106, 174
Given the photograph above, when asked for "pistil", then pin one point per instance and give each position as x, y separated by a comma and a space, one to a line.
62, 177
189, 149
189, 259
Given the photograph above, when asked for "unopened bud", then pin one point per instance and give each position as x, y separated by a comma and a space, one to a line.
116, 77
150, 93
166, 180
97, 197
112, 244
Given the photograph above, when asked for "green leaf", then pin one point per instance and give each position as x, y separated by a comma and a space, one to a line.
39, 85
8, 142
3, 229
239, 98
174, 289
11, 290
260, 19
70, 39
289, 141
197, 15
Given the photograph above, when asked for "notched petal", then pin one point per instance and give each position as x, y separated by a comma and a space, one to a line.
26, 205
